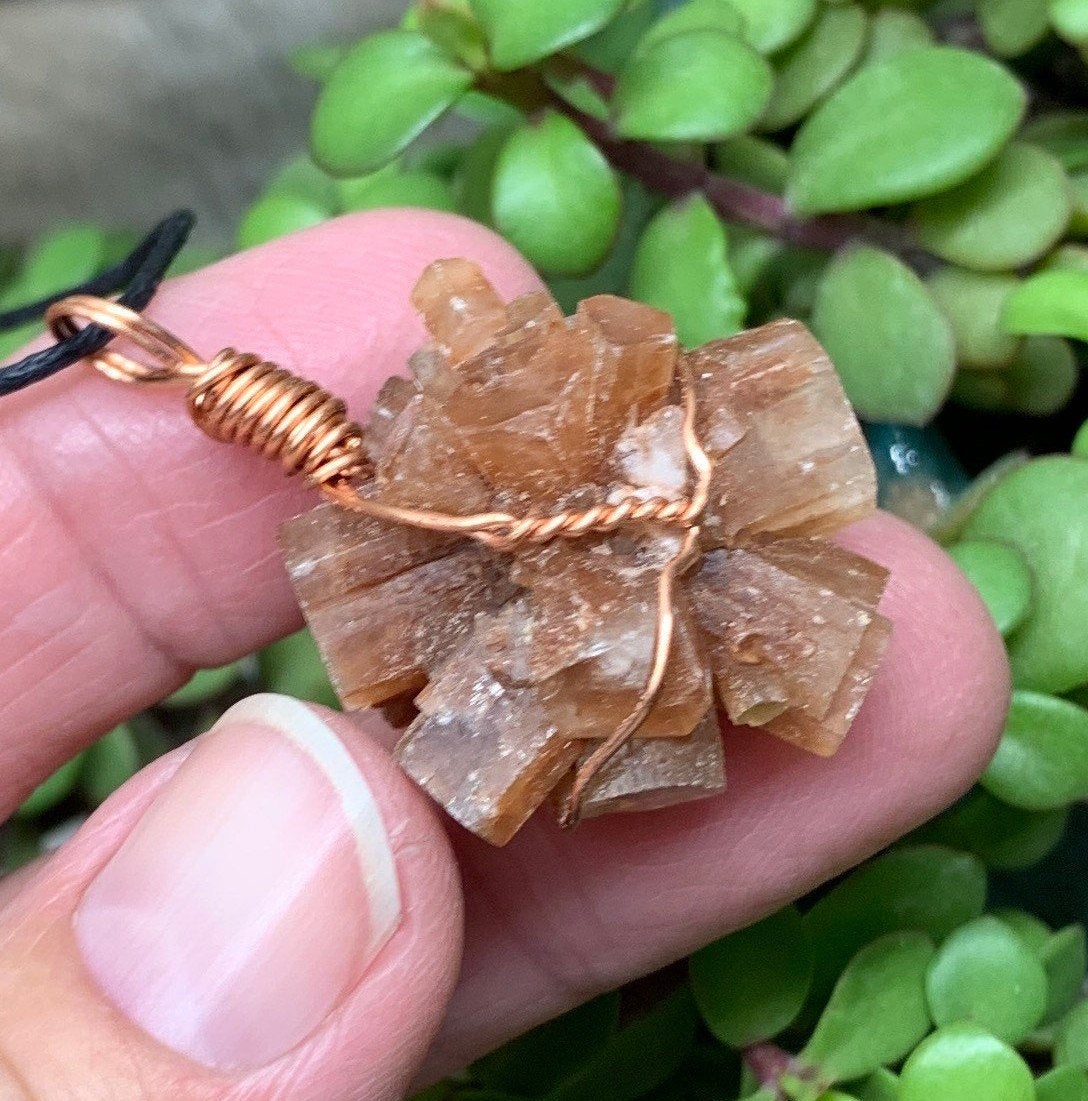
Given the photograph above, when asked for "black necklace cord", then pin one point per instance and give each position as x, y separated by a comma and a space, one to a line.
137, 277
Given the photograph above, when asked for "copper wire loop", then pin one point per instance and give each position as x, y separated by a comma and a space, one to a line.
239, 398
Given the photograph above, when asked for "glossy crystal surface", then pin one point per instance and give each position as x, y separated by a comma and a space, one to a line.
521, 661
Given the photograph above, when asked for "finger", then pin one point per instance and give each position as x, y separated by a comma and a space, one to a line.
553, 918
272, 912
133, 547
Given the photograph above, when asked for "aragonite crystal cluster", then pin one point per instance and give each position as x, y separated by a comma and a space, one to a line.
521, 660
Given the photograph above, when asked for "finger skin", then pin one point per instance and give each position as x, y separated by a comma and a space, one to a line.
60, 1039
133, 547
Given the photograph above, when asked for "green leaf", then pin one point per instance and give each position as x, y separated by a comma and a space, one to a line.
771, 25
614, 43
390, 186
454, 31
1071, 1044
520, 32
52, 791
985, 973
1042, 760
204, 685
1031, 507
277, 215
67, 255
1062, 1084
317, 60
540, 1060
293, 667
1069, 18
1001, 575
388, 89
973, 303
1067, 258
725, 88
751, 985
1006, 216
475, 180
555, 197
893, 30
752, 160
1065, 961
681, 266
638, 1058
964, 1063
913, 125
1002, 837
815, 64
877, 1011
891, 345
1063, 134
1012, 27
1052, 302
696, 15
1033, 932
881, 1085
1040, 380
926, 888
302, 179
110, 762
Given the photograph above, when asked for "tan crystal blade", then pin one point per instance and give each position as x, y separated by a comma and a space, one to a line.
789, 457
461, 309
792, 639
487, 752
655, 773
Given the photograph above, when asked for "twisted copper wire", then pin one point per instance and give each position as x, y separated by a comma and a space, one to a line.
239, 398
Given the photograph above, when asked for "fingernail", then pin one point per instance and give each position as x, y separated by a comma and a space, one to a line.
251, 896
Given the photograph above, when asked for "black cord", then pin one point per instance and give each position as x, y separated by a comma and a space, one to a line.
137, 277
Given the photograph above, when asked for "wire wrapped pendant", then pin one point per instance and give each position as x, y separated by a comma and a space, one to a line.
570, 543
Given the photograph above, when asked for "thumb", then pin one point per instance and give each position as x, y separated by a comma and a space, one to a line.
269, 911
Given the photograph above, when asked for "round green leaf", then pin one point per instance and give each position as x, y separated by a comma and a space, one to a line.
923, 887
301, 178
985, 973
695, 15
520, 32
680, 266
204, 685
881, 1085
915, 124
1079, 447
877, 1011
277, 215
1003, 837
1039, 381
1012, 27
890, 343
555, 197
109, 763
973, 303
384, 93
752, 160
1035, 508
1078, 190
1070, 19
771, 25
614, 43
751, 985
893, 30
1052, 302
1042, 760
293, 667
1063, 134
1071, 1044
1033, 932
964, 1063
1001, 576
1064, 956
390, 186
52, 791
317, 60
1062, 1084
1067, 258
1007, 215
725, 87
815, 64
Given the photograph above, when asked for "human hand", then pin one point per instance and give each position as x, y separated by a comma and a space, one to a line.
274, 910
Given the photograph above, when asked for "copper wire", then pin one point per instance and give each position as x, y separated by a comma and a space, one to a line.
239, 398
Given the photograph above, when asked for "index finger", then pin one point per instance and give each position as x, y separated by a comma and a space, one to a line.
133, 548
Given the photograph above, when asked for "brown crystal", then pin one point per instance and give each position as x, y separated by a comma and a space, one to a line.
523, 660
